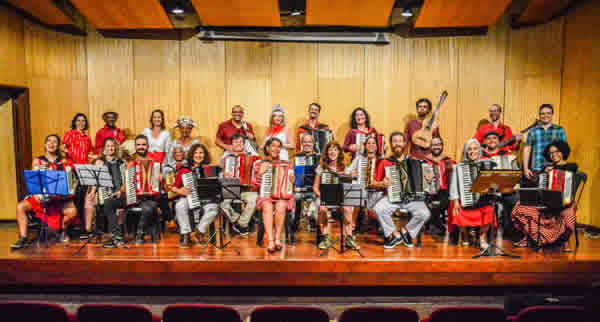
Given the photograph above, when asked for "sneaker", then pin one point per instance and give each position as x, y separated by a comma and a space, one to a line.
84, 236
391, 242
64, 238
111, 243
23, 242
407, 240
185, 241
139, 239
325, 242
351, 243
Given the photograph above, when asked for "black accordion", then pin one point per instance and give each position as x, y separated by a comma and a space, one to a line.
408, 181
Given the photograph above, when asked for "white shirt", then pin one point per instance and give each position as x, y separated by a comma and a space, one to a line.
283, 155
159, 144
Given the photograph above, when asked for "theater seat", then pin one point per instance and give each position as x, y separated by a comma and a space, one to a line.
379, 314
34, 312
553, 314
288, 314
115, 313
467, 313
200, 313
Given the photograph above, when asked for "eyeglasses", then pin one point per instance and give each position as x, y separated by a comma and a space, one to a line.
424, 106
554, 152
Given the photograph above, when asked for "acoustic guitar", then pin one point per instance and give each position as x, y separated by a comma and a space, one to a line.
422, 137
512, 139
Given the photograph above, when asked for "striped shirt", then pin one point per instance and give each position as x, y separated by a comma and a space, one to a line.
79, 146
538, 138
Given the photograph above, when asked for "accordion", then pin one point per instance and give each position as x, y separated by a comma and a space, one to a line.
117, 172
361, 138
168, 181
559, 180
328, 177
366, 170
505, 162
321, 138
466, 174
276, 182
240, 167
189, 180
304, 169
142, 180
408, 181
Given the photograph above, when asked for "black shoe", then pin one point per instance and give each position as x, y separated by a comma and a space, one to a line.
111, 243
185, 241
23, 242
406, 239
84, 236
139, 239
391, 242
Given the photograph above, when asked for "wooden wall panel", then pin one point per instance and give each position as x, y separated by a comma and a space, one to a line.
203, 88
294, 79
110, 80
12, 51
248, 77
533, 72
57, 72
480, 79
8, 193
341, 81
580, 100
156, 80
387, 85
434, 69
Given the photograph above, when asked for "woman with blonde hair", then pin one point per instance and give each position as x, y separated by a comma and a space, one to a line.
278, 129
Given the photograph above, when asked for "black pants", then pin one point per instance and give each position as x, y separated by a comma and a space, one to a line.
508, 203
149, 214
79, 201
110, 212
437, 212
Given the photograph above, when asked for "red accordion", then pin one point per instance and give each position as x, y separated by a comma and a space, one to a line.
142, 179
276, 181
559, 180
240, 166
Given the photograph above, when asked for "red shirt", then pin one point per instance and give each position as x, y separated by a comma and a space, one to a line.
503, 130
178, 180
380, 172
445, 165
411, 127
79, 146
227, 130
105, 133
351, 139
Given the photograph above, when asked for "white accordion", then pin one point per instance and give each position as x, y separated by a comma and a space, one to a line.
276, 182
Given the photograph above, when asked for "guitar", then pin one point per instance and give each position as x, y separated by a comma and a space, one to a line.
422, 137
250, 146
512, 139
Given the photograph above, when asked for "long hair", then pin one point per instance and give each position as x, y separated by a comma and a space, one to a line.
325, 158
371, 137
268, 144
354, 124
162, 116
73, 127
116, 154
465, 156
192, 151
57, 146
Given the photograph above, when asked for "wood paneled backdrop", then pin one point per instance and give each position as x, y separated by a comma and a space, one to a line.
556, 63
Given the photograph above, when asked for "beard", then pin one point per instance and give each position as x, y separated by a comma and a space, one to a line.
397, 151
436, 152
142, 152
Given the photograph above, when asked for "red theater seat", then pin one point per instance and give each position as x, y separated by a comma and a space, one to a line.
553, 314
379, 314
467, 314
115, 313
34, 312
200, 313
288, 314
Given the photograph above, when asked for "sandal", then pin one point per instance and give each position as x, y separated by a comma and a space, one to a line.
522, 243
271, 249
277, 244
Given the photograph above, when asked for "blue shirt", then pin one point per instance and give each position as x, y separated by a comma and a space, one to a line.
538, 139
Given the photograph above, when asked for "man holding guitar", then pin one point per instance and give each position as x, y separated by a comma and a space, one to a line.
419, 137
495, 125
236, 125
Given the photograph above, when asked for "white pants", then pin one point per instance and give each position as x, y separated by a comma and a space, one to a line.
242, 219
182, 215
418, 210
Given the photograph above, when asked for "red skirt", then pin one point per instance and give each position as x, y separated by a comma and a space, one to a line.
525, 219
53, 214
290, 203
474, 217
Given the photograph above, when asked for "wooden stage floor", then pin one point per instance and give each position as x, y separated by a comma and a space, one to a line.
436, 264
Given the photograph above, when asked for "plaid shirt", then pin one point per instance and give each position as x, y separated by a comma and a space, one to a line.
538, 138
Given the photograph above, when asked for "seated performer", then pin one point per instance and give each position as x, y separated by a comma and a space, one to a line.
384, 208
306, 193
481, 214
56, 208
273, 207
197, 157
444, 164
147, 189
360, 125
185, 141
240, 221
314, 110
556, 230
332, 161
504, 161
112, 196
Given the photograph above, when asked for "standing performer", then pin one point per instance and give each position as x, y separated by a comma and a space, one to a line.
110, 130
444, 164
278, 129
56, 208
314, 110
538, 139
495, 125
555, 230
112, 197
197, 157
240, 220
185, 126
384, 208
481, 213
236, 125
77, 146
147, 193
423, 109
332, 161
360, 123
158, 136
273, 207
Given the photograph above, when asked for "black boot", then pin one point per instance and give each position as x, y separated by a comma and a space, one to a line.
139, 238
185, 241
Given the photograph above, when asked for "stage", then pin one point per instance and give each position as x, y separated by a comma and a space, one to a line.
436, 264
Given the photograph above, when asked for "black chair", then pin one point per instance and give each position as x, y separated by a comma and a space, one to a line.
131, 219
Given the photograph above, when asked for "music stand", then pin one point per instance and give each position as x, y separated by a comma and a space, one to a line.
217, 190
542, 200
342, 195
93, 176
49, 183
491, 183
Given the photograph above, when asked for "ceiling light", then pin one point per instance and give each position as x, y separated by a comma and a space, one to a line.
296, 12
177, 10
407, 13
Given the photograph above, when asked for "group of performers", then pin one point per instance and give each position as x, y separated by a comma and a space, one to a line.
154, 173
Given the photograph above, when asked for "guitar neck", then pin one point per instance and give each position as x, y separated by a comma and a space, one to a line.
432, 119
